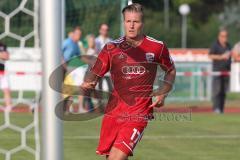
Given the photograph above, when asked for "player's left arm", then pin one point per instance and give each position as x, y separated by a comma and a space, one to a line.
90, 80
167, 64
100, 67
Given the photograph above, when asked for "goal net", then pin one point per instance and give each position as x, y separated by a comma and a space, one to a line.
19, 122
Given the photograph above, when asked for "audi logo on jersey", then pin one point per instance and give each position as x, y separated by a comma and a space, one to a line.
133, 70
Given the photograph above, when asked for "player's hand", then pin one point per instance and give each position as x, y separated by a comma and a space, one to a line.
86, 88
159, 101
88, 85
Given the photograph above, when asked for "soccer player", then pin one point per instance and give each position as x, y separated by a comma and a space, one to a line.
132, 61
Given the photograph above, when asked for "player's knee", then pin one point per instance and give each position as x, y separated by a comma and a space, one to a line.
112, 156
116, 155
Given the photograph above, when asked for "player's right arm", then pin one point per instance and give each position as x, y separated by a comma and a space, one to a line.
100, 67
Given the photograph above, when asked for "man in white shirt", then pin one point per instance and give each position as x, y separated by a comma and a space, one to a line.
236, 52
103, 38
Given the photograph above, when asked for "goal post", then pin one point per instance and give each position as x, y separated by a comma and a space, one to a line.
51, 37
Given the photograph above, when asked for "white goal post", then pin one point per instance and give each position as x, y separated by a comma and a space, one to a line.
51, 40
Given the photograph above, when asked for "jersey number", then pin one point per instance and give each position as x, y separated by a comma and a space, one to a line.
136, 135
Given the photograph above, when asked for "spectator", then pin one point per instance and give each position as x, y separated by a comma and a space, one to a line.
70, 45
103, 38
71, 50
236, 52
221, 57
81, 47
4, 55
91, 50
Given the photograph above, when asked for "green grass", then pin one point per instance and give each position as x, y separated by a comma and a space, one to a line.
204, 137
233, 96
26, 94
10, 139
199, 137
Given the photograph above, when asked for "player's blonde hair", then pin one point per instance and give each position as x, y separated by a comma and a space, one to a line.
135, 7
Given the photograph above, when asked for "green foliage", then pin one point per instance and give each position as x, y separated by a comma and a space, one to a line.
11, 42
1, 25
89, 15
203, 35
177, 3
203, 24
154, 26
7, 6
21, 24
30, 5
203, 21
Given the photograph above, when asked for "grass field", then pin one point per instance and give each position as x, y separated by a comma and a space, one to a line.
201, 136
204, 137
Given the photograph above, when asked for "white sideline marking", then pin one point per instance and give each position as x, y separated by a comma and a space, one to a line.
166, 137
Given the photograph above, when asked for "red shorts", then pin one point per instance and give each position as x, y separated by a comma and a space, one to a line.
121, 134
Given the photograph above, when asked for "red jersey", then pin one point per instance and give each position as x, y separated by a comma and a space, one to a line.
133, 71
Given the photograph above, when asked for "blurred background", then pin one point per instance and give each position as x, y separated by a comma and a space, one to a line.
188, 27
